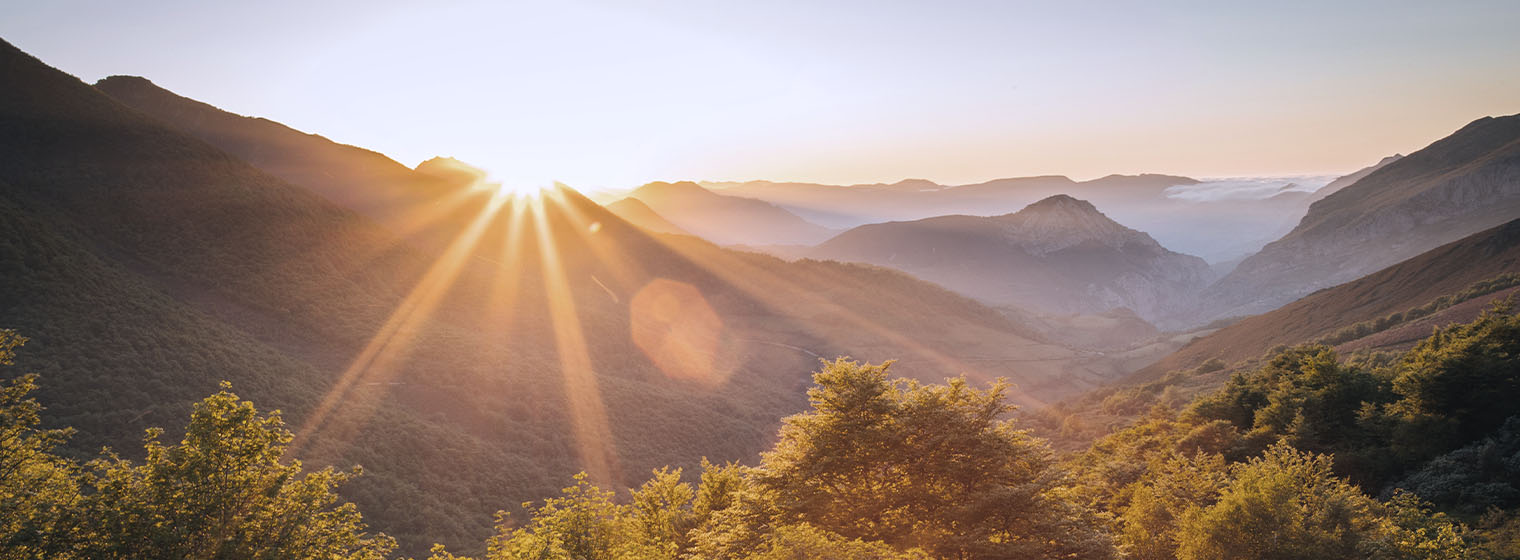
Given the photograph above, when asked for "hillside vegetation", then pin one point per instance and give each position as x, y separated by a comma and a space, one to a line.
1310, 456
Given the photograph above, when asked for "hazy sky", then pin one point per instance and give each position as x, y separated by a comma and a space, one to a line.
618, 93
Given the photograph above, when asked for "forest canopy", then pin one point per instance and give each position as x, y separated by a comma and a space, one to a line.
1309, 456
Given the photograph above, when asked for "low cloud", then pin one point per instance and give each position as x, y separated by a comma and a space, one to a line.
1246, 188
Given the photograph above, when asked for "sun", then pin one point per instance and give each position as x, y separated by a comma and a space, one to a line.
515, 185
514, 188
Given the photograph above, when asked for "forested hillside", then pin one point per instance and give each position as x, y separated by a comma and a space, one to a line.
1411, 456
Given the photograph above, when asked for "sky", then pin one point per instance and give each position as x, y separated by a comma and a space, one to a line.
615, 94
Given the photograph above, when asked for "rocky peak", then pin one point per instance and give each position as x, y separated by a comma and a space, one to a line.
1062, 221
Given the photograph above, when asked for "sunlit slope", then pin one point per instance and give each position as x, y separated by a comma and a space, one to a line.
634, 211
543, 337
728, 220
1457, 186
1448, 269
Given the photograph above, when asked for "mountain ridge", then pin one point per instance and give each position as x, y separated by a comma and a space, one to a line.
1058, 255
1458, 185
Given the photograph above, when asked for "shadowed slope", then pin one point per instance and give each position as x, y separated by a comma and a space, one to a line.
1414, 282
1455, 187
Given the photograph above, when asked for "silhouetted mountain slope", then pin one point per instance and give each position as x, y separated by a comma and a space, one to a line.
1457, 186
354, 177
635, 212
1444, 270
1057, 255
541, 339
727, 220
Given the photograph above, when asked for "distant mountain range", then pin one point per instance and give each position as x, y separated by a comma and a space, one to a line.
1227, 224
1057, 255
1457, 186
727, 220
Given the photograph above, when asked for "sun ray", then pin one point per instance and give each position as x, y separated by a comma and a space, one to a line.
376, 362
506, 284
760, 284
588, 416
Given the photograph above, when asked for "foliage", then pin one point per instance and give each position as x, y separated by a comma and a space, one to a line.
1380, 324
932, 467
1287, 504
806, 542
221, 492
1458, 385
1284, 504
38, 490
582, 523
1170, 491
878, 468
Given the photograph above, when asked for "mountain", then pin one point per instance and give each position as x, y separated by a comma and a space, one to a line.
354, 177
635, 212
544, 336
1213, 219
1057, 255
1351, 178
727, 220
1457, 186
1447, 270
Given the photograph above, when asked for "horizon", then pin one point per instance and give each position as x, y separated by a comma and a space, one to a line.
840, 93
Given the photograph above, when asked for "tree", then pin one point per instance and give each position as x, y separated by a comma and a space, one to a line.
1459, 385
806, 542
661, 512
915, 466
1171, 490
222, 492
583, 523
1286, 505
37, 488
1280, 506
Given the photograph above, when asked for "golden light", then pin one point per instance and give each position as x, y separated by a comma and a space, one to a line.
515, 188
673, 325
588, 416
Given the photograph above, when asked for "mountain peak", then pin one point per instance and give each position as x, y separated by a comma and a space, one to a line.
124, 81
663, 189
914, 185
1063, 221
1062, 202
451, 171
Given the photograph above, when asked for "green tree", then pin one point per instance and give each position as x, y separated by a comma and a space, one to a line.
222, 492
37, 488
1170, 491
1457, 386
933, 467
583, 523
1283, 505
806, 542
1409, 529
661, 512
